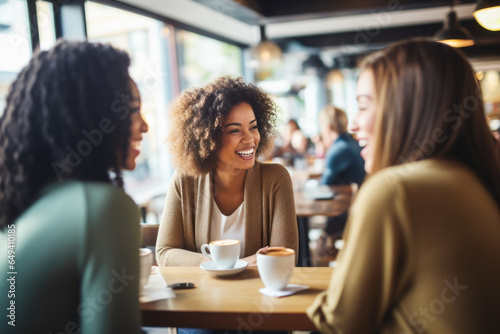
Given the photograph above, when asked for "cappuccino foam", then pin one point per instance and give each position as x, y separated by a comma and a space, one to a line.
225, 242
278, 252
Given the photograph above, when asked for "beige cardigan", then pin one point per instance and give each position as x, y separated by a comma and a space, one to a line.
421, 255
269, 215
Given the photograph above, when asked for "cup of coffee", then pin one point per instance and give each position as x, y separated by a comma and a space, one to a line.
145, 264
224, 253
275, 265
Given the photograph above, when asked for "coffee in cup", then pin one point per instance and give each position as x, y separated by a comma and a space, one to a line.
224, 253
277, 252
145, 264
275, 265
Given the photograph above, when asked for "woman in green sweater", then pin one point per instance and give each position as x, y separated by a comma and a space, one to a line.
70, 233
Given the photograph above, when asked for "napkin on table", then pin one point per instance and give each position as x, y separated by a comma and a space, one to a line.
156, 288
289, 290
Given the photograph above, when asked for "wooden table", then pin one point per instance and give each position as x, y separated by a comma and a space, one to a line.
306, 207
234, 302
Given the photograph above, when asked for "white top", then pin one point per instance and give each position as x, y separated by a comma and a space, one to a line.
228, 227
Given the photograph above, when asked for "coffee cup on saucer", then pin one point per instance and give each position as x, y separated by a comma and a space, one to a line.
275, 265
224, 253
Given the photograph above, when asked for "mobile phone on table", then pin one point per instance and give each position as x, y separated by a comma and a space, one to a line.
184, 285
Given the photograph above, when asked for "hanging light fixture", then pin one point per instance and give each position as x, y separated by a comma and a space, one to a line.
314, 66
265, 54
452, 33
487, 14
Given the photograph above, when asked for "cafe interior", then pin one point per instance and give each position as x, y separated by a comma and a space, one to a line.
304, 54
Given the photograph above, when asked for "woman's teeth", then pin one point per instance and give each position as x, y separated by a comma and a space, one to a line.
246, 153
362, 142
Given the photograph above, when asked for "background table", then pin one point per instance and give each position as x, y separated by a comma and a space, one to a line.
234, 302
306, 207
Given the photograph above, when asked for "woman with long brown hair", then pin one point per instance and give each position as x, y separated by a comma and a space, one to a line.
422, 244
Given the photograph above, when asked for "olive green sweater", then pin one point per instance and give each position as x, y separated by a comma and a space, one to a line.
421, 255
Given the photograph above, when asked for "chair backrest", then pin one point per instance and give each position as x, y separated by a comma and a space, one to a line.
149, 234
154, 206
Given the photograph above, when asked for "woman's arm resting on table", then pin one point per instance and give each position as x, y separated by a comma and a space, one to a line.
170, 243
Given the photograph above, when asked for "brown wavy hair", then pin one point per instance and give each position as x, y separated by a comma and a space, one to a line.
197, 120
430, 105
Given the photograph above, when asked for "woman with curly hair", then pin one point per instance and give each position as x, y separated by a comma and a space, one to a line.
72, 116
219, 190
422, 243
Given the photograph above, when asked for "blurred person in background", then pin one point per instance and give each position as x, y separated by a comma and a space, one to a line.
72, 116
292, 144
219, 190
343, 166
422, 244
343, 162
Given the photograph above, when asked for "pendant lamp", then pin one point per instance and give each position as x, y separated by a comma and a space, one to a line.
452, 33
265, 54
487, 14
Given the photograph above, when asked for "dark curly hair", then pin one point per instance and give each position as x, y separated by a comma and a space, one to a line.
197, 122
66, 117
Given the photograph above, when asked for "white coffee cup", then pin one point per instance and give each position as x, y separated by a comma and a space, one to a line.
224, 253
275, 265
145, 264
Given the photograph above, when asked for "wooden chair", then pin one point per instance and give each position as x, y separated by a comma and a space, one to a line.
149, 234
154, 206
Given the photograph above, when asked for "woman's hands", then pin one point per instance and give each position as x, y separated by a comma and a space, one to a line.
252, 259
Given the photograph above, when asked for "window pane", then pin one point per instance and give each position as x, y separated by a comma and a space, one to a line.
145, 41
46, 29
15, 43
204, 59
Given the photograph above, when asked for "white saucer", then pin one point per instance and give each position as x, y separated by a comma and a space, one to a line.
211, 268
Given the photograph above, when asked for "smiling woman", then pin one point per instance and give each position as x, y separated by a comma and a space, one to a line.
240, 139
72, 116
422, 242
219, 190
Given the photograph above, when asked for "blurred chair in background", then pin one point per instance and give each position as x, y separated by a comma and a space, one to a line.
151, 212
149, 234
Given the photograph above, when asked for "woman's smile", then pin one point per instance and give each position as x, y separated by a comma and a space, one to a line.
240, 139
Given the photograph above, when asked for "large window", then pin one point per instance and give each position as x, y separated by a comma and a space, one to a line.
203, 59
145, 40
15, 43
152, 48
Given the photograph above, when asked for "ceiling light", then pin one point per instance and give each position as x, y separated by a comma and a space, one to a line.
265, 54
487, 14
453, 33
314, 66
